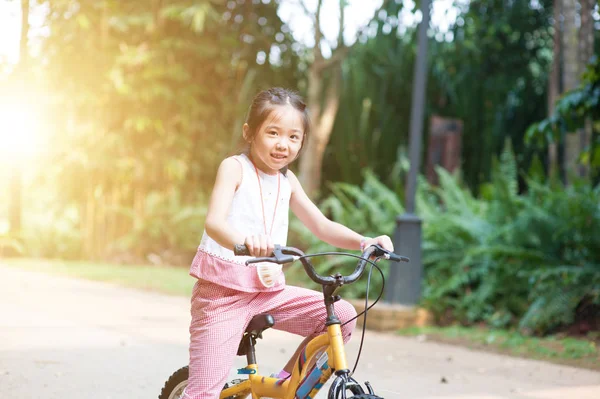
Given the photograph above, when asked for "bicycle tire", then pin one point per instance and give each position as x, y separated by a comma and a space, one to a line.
365, 396
176, 383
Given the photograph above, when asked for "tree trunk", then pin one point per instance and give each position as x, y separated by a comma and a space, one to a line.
586, 34
88, 225
322, 118
16, 201
323, 113
554, 87
586, 51
311, 161
570, 76
104, 25
23, 47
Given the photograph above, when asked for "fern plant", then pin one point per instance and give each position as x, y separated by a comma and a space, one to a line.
564, 224
492, 259
502, 257
369, 210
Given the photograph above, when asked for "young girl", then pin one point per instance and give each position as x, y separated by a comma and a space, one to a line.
252, 195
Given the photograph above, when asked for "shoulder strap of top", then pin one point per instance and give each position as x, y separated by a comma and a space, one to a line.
240, 160
244, 161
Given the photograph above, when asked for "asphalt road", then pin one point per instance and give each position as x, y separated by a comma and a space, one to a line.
64, 338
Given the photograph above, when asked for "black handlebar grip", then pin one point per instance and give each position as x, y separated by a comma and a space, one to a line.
398, 258
258, 260
240, 250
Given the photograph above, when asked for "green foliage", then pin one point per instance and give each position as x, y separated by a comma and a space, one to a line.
571, 112
147, 98
490, 71
167, 224
493, 76
365, 209
502, 258
569, 277
52, 233
374, 104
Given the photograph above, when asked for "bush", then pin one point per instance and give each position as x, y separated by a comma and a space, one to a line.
503, 258
378, 206
168, 231
52, 234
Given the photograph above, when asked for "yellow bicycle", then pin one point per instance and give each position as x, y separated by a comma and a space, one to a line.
322, 357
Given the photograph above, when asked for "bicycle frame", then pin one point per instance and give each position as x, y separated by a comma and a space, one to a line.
321, 351
323, 354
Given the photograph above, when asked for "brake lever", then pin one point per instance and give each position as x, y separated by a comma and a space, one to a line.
281, 257
259, 260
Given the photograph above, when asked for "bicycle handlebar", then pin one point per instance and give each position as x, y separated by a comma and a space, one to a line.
282, 255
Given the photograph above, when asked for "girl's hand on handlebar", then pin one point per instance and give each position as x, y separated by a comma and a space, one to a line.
383, 241
259, 245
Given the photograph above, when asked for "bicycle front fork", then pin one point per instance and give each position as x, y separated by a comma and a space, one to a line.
343, 383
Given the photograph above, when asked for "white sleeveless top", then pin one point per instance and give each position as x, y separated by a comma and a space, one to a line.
218, 264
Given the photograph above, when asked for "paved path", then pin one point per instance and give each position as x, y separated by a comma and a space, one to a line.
64, 338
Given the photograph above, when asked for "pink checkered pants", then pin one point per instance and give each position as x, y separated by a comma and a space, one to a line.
220, 316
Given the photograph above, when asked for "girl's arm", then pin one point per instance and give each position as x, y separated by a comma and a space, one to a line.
229, 177
324, 229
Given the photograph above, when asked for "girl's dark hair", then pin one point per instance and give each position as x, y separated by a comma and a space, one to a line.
264, 103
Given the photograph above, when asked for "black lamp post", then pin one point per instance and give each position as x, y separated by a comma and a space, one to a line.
404, 281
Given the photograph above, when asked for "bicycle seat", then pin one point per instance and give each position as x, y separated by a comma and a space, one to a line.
257, 325
260, 323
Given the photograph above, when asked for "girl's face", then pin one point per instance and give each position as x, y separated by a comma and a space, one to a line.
278, 140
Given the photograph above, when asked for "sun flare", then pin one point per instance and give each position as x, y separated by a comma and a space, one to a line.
19, 132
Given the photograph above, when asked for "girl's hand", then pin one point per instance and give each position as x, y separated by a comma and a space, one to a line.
384, 241
259, 245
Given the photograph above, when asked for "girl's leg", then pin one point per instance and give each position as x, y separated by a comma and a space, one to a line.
302, 311
219, 317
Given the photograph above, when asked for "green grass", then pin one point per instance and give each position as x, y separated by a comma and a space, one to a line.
558, 349
164, 279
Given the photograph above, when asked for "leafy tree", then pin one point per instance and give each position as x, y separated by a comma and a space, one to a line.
20, 75
149, 97
493, 76
375, 102
576, 48
323, 81
573, 111
490, 70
